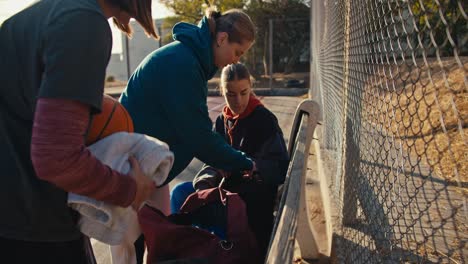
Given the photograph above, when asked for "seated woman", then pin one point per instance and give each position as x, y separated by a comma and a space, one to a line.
247, 125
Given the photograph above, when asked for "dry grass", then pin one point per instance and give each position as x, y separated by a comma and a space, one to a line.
425, 107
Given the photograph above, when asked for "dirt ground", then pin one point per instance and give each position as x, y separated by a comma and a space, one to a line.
427, 111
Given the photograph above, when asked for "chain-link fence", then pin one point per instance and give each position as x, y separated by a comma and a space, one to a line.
391, 77
289, 44
280, 56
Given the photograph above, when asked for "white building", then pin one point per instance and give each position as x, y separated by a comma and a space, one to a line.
138, 47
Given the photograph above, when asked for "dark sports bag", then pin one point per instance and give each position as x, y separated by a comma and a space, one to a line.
175, 238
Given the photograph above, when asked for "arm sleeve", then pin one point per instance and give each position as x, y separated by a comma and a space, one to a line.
59, 155
192, 125
75, 52
207, 177
271, 158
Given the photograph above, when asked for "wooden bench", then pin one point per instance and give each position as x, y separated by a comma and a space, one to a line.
293, 220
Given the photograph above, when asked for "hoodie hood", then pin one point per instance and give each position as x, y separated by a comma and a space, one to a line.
198, 39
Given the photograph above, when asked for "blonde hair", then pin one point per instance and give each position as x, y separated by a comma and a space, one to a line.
141, 11
235, 22
233, 72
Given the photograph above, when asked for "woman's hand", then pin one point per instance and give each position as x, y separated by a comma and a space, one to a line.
249, 174
145, 186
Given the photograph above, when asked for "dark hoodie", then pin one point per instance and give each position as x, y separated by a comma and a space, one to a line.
166, 98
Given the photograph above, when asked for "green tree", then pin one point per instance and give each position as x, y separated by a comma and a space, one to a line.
445, 21
291, 20
290, 39
192, 12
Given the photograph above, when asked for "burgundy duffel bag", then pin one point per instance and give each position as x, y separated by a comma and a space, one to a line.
175, 237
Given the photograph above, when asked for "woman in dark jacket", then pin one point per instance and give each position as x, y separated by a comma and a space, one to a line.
247, 125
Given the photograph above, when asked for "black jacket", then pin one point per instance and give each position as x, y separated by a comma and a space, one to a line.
261, 138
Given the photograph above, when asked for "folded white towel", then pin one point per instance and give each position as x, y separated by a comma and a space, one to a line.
112, 224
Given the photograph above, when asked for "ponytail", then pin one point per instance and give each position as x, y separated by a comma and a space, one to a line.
235, 22
212, 15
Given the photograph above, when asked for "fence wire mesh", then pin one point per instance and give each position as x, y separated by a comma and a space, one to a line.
391, 77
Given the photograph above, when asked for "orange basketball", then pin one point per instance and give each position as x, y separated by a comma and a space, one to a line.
113, 118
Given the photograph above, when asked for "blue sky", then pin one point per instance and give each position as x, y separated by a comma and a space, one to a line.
10, 7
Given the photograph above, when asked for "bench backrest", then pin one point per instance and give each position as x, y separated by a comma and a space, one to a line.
292, 204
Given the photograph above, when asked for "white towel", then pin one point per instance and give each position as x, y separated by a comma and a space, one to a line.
112, 224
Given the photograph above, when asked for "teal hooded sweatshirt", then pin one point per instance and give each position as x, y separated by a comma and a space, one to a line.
166, 98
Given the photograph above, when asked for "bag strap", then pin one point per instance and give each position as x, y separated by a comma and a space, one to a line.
201, 198
222, 193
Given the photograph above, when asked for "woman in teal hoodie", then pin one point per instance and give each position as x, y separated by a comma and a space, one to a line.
166, 95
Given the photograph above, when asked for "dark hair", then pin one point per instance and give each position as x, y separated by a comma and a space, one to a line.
235, 22
233, 72
141, 11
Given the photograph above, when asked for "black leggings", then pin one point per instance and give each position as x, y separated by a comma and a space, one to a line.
16, 251
259, 200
